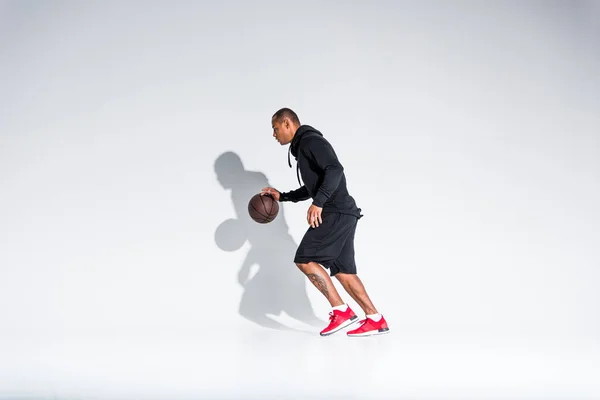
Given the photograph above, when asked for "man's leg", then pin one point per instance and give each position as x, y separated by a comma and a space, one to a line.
345, 271
319, 277
321, 246
374, 323
355, 288
341, 315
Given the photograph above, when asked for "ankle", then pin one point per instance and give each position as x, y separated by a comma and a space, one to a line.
341, 307
375, 316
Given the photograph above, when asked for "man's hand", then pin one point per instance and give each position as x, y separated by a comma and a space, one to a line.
270, 191
314, 216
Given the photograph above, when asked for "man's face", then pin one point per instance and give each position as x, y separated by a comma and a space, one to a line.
282, 131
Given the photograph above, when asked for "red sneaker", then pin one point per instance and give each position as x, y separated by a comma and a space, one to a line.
369, 327
339, 320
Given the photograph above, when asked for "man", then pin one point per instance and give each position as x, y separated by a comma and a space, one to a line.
333, 217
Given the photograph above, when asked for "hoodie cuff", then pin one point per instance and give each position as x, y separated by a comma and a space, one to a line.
319, 199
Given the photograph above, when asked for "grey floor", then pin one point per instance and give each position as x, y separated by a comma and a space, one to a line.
247, 362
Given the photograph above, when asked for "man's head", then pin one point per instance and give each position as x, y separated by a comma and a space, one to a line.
285, 123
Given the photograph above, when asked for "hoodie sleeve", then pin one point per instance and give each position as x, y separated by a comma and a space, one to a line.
324, 157
295, 196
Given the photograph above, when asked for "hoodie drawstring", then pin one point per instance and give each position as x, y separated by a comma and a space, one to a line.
298, 174
297, 167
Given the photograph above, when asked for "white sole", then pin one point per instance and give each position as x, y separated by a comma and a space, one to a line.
344, 325
385, 332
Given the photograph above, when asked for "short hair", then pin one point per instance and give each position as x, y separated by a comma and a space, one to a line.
286, 113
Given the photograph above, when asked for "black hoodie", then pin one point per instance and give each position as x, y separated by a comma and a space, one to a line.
322, 174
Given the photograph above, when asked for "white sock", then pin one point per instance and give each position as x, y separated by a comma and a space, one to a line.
374, 317
342, 308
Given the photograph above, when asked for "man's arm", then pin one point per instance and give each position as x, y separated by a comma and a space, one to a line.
325, 158
295, 196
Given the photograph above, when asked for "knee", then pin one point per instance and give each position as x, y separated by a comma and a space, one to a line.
344, 277
303, 267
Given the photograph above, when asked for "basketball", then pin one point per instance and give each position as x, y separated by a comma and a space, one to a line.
263, 209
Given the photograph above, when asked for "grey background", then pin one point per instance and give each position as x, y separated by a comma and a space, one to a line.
469, 131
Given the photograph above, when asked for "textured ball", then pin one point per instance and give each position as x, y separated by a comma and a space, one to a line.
263, 209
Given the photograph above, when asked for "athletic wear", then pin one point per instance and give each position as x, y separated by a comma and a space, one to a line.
370, 327
374, 317
339, 320
322, 174
342, 308
330, 244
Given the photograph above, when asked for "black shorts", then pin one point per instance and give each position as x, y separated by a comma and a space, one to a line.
331, 244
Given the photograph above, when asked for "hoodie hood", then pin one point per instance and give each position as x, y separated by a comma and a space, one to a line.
302, 132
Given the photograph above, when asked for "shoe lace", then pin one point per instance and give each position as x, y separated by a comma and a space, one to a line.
332, 316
